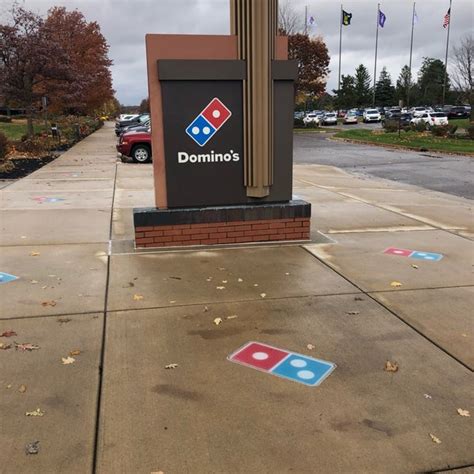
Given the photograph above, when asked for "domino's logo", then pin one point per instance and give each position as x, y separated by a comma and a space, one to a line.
208, 122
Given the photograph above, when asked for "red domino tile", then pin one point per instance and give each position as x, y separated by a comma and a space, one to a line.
259, 356
399, 252
216, 113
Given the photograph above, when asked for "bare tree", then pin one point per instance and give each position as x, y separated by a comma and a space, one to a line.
288, 19
463, 74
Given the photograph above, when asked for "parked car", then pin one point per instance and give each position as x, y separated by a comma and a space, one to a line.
402, 120
120, 125
458, 112
419, 111
127, 117
312, 118
430, 119
393, 113
350, 117
342, 113
329, 118
136, 145
140, 127
298, 115
371, 115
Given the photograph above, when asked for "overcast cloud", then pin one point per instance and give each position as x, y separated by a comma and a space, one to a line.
125, 22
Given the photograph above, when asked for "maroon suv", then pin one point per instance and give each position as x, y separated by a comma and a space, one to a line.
136, 145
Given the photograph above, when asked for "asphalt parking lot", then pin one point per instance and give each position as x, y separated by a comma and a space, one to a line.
446, 173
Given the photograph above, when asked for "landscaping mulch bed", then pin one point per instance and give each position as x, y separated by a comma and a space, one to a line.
24, 166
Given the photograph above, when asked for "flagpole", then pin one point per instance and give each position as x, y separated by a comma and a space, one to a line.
411, 54
340, 50
306, 20
446, 58
376, 47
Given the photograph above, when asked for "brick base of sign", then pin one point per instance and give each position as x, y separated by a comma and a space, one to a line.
222, 225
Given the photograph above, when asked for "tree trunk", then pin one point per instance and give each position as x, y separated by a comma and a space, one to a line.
30, 130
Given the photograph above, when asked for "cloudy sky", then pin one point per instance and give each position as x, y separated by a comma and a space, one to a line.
125, 22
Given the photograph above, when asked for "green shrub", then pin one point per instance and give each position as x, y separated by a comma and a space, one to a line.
452, 129
440, 130
391, 126
470, 130
419, 127
4, 147
5, 119
312, 125
298, 123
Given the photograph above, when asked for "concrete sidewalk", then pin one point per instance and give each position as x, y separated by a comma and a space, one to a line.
67, 233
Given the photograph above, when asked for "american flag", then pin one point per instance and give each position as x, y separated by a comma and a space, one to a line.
447, 17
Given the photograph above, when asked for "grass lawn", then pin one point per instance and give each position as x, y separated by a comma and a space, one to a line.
413, 140
16, 129
461, 123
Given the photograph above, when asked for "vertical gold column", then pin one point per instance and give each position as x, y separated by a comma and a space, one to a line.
255, 22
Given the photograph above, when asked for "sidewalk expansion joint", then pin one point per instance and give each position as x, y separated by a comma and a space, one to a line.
59, 315
448, 469
104, 333
391, 311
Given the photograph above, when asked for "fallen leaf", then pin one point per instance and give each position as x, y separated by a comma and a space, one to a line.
255, 284
240, 280
426, 395
415, 266
352, 313
4, 346
137, 297
23, 237
172, 301
37, 412
435, 439
34, 282
52, 276
310, 346
358, 298
224, 281
462, 412
396, 284
68, 360
209, 279
44, 287
263, 295
206, 309
232, 317
175, 278
217, 321
26, 347
74, 352
34, 254
391, 366
287, 273
220, 287
63, 320
221, 269
48, 303
8, 334
9, 385
171, 366
32, 448
22, 388
464, 335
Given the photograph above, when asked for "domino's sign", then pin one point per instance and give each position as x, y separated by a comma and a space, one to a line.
202, 129
208, 122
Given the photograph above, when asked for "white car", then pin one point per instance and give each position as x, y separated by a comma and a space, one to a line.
429, 119
312, 118
127, 117
350, 117
329, 118
371, 115
419, 111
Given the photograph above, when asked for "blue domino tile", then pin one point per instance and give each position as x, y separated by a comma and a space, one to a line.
302, 369
200, 130
6, 277
432, 257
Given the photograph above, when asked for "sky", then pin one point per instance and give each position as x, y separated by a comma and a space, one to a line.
124, 23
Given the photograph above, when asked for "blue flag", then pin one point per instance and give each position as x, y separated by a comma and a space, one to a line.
382, 18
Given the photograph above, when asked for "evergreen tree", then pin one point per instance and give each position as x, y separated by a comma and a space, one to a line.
404, 89
346, 96
430, 81
362, 87
384, 90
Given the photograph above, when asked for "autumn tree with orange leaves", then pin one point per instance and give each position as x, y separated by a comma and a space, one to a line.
62, 57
